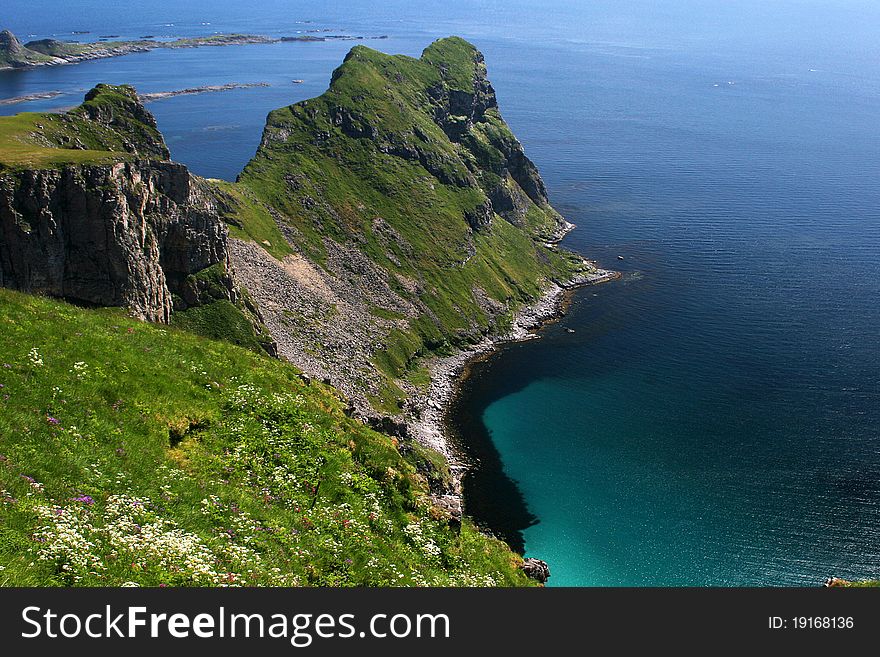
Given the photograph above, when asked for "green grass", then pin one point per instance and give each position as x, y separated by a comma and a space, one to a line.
220, 320
863, 584
458, 60
248, 219
132, 452
20, 149
110, 126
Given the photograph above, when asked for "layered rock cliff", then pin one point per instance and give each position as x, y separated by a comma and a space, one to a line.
128, 232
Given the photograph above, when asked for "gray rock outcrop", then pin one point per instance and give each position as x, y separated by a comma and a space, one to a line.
125, 234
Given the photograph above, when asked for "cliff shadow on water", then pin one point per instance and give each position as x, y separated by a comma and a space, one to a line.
492, 498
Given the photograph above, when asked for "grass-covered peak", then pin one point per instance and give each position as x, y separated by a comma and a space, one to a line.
408, 162
111, 125
458, 61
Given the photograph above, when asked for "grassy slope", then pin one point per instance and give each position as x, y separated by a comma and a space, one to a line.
45, 140
248, 219
136, 453
327, 183
24, 58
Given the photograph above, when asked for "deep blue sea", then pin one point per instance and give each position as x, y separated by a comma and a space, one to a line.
714, 418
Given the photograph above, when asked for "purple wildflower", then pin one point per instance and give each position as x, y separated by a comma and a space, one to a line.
85, 499
30, 480
52, 420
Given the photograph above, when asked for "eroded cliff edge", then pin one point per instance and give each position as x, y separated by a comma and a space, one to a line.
92, 211
126, 234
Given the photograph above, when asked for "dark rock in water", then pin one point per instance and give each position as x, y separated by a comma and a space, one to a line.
536, 569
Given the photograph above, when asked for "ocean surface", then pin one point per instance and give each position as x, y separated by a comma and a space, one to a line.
714, 417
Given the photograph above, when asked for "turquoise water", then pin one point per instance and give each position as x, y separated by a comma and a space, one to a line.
713, 418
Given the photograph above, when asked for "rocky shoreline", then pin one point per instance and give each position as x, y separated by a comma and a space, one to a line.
426, 418
51, 52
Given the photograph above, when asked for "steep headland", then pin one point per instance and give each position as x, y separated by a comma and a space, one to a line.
418, 223
381, 231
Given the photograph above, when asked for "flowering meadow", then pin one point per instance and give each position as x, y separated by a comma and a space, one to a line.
134, 454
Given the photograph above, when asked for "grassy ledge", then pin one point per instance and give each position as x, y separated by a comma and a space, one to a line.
109, 127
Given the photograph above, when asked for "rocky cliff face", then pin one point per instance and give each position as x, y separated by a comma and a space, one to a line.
126, 234
467, 110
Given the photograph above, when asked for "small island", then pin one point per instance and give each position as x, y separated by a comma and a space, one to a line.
51, 52
162, 95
